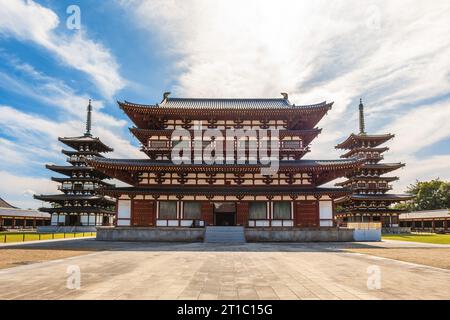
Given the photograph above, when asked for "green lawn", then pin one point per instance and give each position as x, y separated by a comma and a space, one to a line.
7, 237
425, 238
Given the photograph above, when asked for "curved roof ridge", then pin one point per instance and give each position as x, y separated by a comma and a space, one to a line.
224, 103
5, 204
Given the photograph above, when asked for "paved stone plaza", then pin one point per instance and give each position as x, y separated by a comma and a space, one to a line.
213, 271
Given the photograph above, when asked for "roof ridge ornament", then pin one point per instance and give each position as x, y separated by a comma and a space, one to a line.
89, 119
361, 118
285, 96
165, 97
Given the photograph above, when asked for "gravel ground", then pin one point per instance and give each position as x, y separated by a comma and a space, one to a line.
434, 257
16, 257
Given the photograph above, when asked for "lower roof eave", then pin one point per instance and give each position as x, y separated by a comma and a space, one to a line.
230, 191
372, 210
76, 210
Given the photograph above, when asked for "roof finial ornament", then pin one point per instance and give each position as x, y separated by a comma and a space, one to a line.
165, 97
362, 129
285, 96
89, 119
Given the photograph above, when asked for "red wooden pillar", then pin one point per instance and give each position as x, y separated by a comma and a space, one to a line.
445, 225
242, 209
433, 225
207, 210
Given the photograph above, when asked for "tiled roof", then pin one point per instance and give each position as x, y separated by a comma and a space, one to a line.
224, 190
430, 214
11, 212
287, 163
73, 142
208, 103
381, 197
225, 103
4, 204
63, 197
353, 140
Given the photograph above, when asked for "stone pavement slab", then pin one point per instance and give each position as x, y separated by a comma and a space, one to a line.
213, 271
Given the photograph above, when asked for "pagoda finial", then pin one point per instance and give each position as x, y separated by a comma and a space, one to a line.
361, 118
88, 119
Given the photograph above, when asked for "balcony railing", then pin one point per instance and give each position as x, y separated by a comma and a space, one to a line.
372, 187
282, 145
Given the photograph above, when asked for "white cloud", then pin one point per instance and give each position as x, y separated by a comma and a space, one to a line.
419, 128
36, 136
29, 21
35, 143
18, 190
393, 53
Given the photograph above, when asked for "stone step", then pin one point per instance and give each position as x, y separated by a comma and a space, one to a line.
224, 234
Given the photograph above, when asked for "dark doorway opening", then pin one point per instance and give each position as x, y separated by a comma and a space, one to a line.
224, 214
73, 220
225, 219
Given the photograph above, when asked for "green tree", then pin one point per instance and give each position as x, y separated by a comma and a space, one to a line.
429, 195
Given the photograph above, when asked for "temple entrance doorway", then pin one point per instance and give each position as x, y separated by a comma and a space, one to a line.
224, 213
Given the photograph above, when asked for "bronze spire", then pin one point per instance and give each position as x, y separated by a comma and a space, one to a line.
89, 119
361, 118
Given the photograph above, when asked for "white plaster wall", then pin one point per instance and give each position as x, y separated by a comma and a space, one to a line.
123, 223
326, 223
262, 223
326, 209
186, 223
54, 220
124, 209
161, 223
84, 220
172, 223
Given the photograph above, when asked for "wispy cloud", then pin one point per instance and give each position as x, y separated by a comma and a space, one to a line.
393, 53
29, 21
20, 189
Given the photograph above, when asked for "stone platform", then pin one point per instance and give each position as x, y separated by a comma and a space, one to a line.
298, 235
165, 234
168, 234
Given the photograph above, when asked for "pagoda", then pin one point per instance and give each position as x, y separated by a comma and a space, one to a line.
162, 193
370, 200
79, 204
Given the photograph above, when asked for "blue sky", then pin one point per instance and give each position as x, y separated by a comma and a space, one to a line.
394, 54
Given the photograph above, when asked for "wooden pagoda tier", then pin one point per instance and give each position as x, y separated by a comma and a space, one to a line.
369, 200
293, 144
163, 193
156, 123
79, 203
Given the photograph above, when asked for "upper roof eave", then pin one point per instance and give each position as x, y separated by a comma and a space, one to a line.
73, 142
348, 143
355, 150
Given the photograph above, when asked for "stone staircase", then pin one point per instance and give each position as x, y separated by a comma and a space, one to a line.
224, 235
